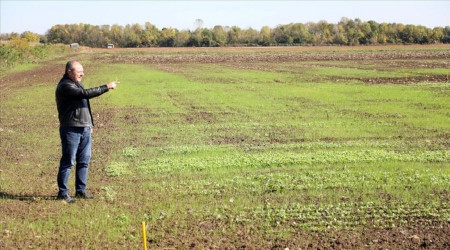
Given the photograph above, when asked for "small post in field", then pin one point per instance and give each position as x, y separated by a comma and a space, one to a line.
144, 238
406, 76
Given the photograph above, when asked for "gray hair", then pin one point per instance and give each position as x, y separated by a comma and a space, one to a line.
69, 65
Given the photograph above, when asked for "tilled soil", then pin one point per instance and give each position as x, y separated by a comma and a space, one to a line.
362, 65
269, 49
49, 71
417, 236
394, 80
44, 73
272, 57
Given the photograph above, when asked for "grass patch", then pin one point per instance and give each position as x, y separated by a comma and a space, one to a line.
115, 169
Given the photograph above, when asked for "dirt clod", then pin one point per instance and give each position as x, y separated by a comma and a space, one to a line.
7, 233
415, 239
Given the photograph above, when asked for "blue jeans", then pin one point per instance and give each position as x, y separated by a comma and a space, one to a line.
76, 145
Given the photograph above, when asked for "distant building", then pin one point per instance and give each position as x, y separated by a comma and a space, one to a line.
74, 45
110, 46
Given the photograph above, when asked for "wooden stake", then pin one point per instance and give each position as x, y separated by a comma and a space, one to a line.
144, 238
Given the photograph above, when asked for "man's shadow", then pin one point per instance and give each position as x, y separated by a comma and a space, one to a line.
6, 196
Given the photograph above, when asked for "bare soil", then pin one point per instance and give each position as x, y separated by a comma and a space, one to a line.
267, 49
434, 236
266, 57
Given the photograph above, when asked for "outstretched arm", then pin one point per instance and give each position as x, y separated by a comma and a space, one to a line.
71, 90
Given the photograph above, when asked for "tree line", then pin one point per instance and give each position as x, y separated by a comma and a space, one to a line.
345, 32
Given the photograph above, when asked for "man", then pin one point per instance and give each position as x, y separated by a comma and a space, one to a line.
75, 118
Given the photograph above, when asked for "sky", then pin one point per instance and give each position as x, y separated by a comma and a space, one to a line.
39, 16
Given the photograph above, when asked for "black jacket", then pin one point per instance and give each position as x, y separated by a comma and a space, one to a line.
72, 101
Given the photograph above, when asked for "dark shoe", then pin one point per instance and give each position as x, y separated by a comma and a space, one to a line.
83, 195
66, 198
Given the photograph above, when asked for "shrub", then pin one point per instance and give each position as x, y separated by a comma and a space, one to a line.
19, 51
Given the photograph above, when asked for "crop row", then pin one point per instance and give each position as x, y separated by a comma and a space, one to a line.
279, 159
347, 215
388, 144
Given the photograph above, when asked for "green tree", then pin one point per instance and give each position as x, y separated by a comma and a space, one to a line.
92, 36
249, 37
219, 36
340, 37
206, 38
116, 35
281, 35
195, 38
406, 33
446, 37
137, 30
76, 32
321, 32
383, 29
58, 34
30, 36
353, 33
345, 32
150, 35
105, 31
420, 35
265, 37
182, 38
372, 36
299, 34
365, 33
131, 37
167, 37
436, 35
234, 35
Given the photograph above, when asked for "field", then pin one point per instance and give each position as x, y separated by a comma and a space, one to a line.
318, 147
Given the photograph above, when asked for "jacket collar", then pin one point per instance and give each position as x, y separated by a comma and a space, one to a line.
67, 78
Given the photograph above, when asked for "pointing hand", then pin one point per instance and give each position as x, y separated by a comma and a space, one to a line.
112, 85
